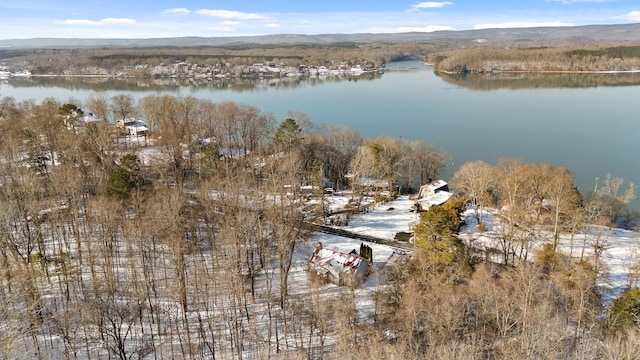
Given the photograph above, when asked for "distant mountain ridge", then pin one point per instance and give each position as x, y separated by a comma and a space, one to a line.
565, 35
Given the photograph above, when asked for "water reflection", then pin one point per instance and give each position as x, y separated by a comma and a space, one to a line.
515, 81
169, 84
512, 81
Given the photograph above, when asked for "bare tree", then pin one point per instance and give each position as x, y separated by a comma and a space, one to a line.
361, 168
98, 104
242, 129
563, 196
431, 161
511, 182
8, 107
122, 106
475, 180
283, 213
342, 145
611, 198
307, 127
389, 157
152, 110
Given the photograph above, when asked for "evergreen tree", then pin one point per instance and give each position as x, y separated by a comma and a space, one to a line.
287, 134
625, 310
125, 177
435, 234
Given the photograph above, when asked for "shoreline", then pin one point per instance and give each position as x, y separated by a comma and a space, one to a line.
105, 76
536, 71
604, 72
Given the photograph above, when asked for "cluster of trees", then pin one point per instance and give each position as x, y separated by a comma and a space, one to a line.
111, 246
535, 197
561, 59
449, 302
450, 307
449, 58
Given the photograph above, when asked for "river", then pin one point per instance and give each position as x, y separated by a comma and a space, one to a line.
588, 123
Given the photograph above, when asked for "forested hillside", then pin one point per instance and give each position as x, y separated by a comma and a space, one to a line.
564, 59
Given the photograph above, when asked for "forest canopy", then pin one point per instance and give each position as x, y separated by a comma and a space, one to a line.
561, 59
180, 242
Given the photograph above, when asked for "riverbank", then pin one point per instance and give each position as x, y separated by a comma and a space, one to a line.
591, 59
537, 71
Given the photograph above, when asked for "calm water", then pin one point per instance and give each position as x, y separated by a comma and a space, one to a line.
588, 124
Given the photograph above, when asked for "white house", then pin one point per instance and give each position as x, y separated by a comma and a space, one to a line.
133, 126
272, 67
432, 188
75, 122
89, 118
433, 193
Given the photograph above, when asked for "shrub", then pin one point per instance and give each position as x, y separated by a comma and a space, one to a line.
548, 259
625, 310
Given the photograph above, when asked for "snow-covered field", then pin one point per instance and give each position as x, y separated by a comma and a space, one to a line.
217, 307
621, 247
620, 250
382, 221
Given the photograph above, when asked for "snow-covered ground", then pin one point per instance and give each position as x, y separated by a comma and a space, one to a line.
621, 250
621, 247
382, 221
214, 303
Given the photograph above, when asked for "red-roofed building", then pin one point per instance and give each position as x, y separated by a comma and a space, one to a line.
338, 267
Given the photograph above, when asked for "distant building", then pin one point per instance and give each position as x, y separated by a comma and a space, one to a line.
89, 118
77, 120
133, 127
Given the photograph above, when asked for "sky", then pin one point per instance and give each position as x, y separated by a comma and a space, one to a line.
170, 18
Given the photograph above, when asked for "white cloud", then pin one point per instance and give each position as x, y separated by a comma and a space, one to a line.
177, 11
429, 28
105, 21
523, 24
229, 14
229, 23
117, 21
578, 1
272, 25
631, 16
431, 5
80, 22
